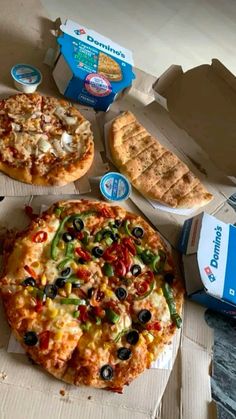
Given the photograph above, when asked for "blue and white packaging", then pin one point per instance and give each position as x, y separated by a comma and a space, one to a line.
209, 261
91, 69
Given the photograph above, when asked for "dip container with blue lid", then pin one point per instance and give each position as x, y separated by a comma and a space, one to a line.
115, 187
26, 77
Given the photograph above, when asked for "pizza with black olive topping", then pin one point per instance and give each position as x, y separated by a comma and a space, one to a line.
44, 140
91, 292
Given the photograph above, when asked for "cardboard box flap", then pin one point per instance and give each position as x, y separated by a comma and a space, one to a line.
202, 101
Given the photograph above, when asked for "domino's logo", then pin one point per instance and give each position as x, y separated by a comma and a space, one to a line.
209, 274
79, 31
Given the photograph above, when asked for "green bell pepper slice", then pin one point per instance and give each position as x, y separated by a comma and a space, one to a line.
72, 301
126, 227
112, 316
168, 294
108, 269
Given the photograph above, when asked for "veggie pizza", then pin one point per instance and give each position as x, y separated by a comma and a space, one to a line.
43, 140
91, 293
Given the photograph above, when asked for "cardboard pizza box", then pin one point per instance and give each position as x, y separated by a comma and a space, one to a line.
208, 248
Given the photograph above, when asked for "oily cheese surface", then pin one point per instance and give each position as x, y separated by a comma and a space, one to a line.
44, 140
91, 317
153, 170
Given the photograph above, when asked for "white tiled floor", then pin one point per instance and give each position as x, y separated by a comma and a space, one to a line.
160, 32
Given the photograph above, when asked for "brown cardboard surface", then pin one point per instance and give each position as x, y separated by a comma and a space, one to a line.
25, 36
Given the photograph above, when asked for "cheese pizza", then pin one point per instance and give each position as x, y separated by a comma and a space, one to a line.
91, 292
43, 140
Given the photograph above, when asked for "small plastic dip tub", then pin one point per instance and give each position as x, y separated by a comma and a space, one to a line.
26, 77
115, 187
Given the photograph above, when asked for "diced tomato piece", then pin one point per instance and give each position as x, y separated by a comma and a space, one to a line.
128, 243
83, 313
44, 339
83, 273
154, 326
40, 237
77, 234
110, 253
120, 268
83, 254
100, 295
98, 311
106, 212
30, 271
146, 276
127, 259
39, 306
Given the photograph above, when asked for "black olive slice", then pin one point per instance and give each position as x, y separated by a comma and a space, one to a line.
50, 290
144, 316
97, 252
66, 272
78, 224
138, 232
132, 337
121, 293
67, 237
117, 223
135, 270
29, 281
30, 338
106, 372
60, 282
90, 292
169, 277
124, 353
